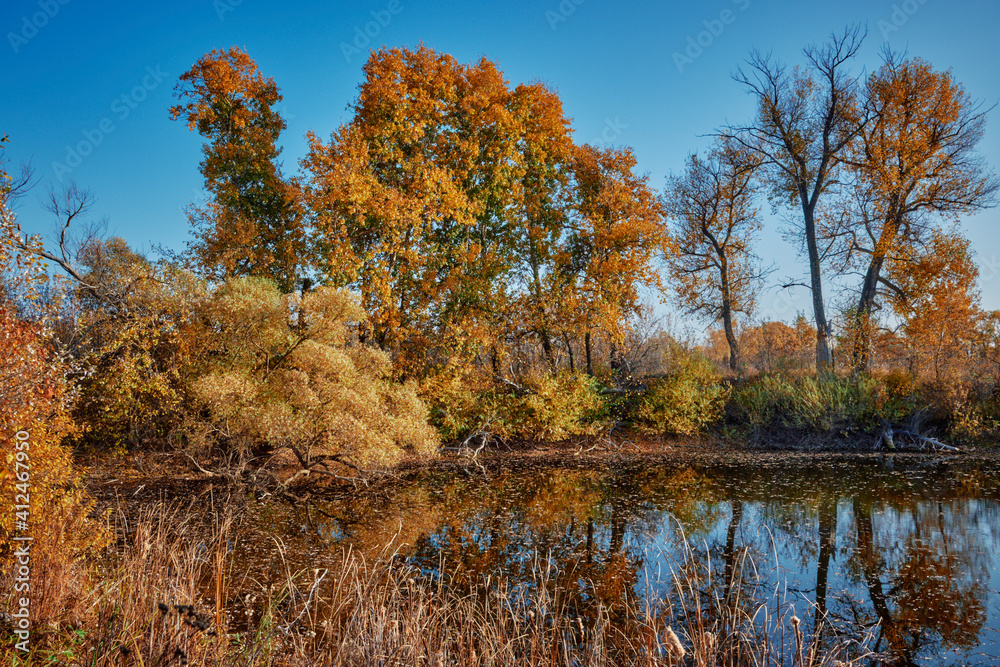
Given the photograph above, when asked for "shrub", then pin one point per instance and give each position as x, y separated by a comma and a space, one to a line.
38, 471
557, 407
285, 371
130, 338
542, 407
687, 400
821, 403
455, 395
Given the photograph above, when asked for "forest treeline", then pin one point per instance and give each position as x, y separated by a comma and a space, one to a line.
451, 264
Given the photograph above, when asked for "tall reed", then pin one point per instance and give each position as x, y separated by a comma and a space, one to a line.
165, 595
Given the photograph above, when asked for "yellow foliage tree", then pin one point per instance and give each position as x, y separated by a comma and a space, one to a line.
283, 370
415, 200
614, 233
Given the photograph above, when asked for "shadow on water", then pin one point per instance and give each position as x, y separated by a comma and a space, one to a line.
900, 552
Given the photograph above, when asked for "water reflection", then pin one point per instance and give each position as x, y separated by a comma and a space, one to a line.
903, 550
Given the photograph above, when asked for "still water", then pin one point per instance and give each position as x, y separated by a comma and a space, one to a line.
898, 553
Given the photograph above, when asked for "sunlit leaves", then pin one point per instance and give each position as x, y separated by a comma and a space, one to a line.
251, 225
461, 211
284, 370
914, 159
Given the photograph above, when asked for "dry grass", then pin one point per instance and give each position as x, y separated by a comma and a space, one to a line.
164, 595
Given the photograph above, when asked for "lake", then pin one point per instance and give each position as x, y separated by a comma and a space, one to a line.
899, 554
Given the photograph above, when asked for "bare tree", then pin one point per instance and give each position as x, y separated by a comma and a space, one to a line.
805, 121
712, 224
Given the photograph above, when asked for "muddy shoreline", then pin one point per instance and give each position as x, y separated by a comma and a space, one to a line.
148, 475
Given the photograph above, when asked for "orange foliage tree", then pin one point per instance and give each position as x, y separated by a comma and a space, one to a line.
776, 346
614, 233
462, 212
251, 225
939, 304
417, 202
914, 158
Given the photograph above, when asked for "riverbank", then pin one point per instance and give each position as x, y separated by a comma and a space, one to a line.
152, 474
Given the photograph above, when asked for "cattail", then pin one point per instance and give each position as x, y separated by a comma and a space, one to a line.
673, 643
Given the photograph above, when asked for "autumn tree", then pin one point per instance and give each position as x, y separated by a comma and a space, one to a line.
914, 162
806, 120
251, 224
464, 215
121, 323
776, 346
36, 398
712, 223
415, 201
131, 336
540, 279
614, 232
938, 303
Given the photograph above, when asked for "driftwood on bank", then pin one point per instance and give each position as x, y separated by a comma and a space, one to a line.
889, 434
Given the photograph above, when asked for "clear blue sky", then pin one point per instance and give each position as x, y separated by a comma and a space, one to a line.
103, 73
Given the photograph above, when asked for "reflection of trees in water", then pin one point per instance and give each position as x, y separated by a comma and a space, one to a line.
927, 590
888, 546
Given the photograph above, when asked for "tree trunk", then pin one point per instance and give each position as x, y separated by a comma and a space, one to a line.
547, 348
870, 568
538, 299
590, 362
827, 533
729, 554
866, 302
823, 359
861, 352
569, 352
727, 323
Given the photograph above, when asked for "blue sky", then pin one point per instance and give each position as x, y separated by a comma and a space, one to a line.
98, 78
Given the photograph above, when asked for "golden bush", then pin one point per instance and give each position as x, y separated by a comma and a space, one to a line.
286, 370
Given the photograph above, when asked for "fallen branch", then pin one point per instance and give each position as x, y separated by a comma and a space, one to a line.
929, 441
889, 433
